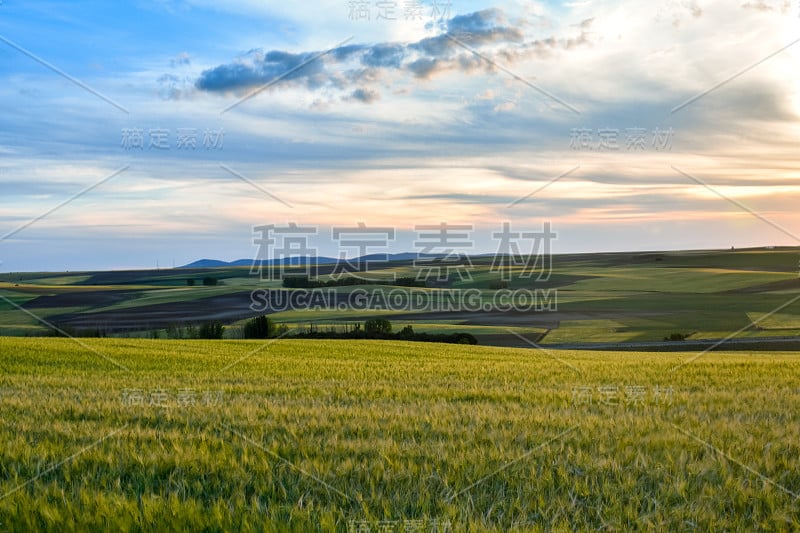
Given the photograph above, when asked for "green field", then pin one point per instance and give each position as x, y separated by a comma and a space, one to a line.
294, 435
596, 298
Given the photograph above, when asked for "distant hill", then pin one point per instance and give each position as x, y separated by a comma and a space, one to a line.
306, 260
215, 263
206, 263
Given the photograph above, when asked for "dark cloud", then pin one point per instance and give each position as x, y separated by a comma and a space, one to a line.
343, 53
229, 77
366, 96
352, 65
384, 55
257, 68
479, 21
422, 68
484, 26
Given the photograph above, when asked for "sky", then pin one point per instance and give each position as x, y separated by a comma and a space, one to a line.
142, 133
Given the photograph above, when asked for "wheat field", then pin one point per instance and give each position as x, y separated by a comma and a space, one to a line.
303, 435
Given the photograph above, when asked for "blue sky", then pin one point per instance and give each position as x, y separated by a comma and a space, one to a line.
458, 112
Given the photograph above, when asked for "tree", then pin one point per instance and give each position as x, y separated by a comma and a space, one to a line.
209, 281
210, 330
407, 331
379, 326
260, 327
465, 338
190, 282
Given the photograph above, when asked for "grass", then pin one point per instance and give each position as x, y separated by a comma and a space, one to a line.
591, 331
677, 280
312, 435
169, 295
603, 297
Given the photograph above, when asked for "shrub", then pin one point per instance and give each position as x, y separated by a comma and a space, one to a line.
407, 331
260, 327
464, 338
210, 330
379, 326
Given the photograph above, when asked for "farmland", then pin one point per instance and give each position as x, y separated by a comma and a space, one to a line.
301, 435
533, 431
586, 298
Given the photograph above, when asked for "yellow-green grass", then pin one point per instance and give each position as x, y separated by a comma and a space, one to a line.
676, 280
696, 325
58, 280
170, 295
39, 289
776, 259
776, 321
590, 331
311, 435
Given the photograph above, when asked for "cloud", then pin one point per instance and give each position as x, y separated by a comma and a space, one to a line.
181, 60
505, 106
384, 55
758, 6
484, 26
423, 68
351, 66
173, 87
366, 96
